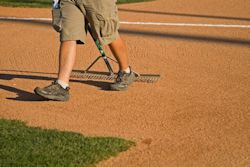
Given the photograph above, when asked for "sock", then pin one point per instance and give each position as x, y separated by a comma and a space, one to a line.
127, 70
63, 84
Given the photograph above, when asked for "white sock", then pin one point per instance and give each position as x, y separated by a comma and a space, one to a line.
63, 84
127, 70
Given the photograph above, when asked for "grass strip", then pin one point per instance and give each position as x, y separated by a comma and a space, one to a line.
46, 3
23, 146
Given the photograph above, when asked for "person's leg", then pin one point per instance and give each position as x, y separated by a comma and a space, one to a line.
103, 18
59, 90
72, 22
125, 75
66, 60
119, 51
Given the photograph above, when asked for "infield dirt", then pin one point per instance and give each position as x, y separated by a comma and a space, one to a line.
196, 115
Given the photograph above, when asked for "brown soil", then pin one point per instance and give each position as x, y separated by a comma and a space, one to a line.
196, 115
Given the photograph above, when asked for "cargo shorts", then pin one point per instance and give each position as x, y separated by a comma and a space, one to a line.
101, 14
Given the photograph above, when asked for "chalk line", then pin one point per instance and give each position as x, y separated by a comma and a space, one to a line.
142, 23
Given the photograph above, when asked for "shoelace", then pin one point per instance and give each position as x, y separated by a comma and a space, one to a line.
54, 84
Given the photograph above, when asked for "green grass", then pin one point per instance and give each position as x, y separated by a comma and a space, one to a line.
26, 3
23, 146
45, 3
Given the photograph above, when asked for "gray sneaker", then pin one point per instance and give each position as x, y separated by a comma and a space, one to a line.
53, 92
123, 80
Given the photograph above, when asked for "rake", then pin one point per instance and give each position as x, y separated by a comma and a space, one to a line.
110, 75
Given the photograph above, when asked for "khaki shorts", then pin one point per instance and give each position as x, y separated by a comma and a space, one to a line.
101, 14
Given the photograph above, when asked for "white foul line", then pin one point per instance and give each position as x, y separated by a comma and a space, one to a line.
25, 19
145, 23
186, 24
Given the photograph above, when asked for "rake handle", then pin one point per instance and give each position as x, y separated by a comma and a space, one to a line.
103, 55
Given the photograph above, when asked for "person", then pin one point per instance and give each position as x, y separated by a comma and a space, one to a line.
103, 18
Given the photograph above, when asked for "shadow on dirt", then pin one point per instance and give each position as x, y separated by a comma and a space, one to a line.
164, 35
185, 14
187, 37
28, 96
21, 94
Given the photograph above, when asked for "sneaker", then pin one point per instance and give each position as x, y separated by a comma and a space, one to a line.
123, 80
53, 92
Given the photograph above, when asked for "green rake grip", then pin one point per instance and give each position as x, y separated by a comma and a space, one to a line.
103, 55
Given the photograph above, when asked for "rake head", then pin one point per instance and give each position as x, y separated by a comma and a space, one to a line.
148, 78
87, 74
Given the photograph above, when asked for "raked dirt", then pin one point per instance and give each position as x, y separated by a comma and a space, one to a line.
197, 114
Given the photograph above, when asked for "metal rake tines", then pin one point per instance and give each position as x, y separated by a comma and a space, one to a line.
92, 75
148, 78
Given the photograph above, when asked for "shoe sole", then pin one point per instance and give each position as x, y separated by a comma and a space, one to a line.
50, 97
118, 89
124, 88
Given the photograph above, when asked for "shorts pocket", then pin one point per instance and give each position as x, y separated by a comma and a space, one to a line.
57, 19
108, 25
